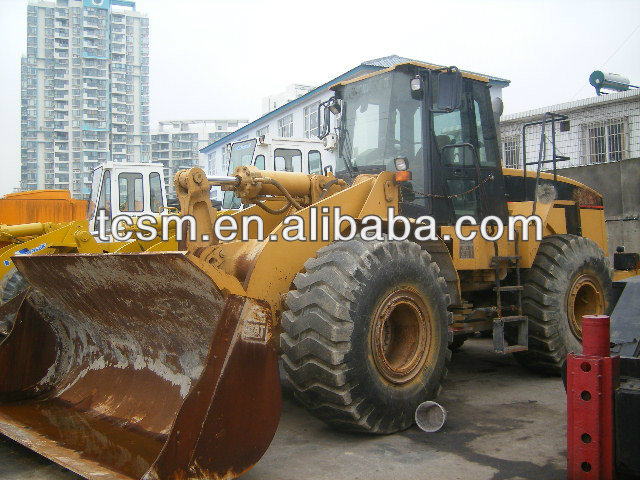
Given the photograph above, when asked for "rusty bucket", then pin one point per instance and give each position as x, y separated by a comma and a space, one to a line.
137, 366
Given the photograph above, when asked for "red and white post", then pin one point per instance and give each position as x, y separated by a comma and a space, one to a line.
591, 381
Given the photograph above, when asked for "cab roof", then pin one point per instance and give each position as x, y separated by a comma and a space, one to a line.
413, 63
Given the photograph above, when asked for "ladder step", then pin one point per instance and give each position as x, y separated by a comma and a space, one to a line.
512, 318
495, 260
511, 288
500, 344
511, 258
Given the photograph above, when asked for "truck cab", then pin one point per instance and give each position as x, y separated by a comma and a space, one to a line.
133, 189
306, 155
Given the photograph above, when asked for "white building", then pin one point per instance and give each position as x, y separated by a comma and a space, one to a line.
275, 101
598, 130
299, 117
85, 91
177, 143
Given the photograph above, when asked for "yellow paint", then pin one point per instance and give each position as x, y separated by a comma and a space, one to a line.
473, 76
279, 261
514, 172
593, 226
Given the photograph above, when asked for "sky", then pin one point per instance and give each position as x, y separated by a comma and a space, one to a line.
219, 58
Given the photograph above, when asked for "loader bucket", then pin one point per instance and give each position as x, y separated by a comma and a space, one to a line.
136, 366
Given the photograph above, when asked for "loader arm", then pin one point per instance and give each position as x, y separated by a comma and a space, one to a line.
254, 261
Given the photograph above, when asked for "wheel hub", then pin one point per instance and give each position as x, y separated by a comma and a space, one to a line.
586, 297
401, 336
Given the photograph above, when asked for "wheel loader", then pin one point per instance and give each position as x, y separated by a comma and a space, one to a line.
138, 190
164, 365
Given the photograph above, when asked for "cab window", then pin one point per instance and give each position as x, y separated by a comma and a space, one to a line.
315, 162
287, 160
259, 163
485, 126
131, 197
448, 130
104, 203
155, 192
95, 190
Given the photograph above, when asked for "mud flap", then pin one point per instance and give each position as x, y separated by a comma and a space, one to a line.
133, 366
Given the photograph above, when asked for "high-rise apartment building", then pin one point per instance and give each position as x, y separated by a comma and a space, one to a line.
177, 143
85, 91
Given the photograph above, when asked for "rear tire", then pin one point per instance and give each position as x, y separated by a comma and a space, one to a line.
569, 278
365, 334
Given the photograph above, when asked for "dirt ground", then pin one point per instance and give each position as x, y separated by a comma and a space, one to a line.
504, 422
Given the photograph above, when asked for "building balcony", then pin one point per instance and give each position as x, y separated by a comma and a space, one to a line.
93, 118
92, 33
92, 22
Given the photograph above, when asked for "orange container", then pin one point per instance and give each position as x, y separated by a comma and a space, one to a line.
41, 206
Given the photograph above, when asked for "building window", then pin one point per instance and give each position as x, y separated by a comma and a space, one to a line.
606, 142
511, 148
211, 158
262, 131
311, 120
285, 126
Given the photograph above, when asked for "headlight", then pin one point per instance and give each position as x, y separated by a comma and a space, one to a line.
401, 163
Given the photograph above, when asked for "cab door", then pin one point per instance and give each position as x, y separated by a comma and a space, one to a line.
465, 152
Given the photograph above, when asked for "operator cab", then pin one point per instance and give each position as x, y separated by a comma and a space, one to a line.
436, 122
284, 154
133, 189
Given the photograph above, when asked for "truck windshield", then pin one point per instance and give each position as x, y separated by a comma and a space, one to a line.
380, 121
241, 154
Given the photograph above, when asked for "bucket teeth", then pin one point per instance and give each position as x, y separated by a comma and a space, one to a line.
137, 365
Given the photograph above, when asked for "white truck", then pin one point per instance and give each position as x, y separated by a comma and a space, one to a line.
304, 155
133, 189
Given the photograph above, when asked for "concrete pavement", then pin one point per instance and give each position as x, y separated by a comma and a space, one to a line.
504, 423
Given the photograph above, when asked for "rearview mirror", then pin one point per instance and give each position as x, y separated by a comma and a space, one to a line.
447, 90
324, 119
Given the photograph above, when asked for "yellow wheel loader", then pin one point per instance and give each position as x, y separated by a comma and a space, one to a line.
164, 365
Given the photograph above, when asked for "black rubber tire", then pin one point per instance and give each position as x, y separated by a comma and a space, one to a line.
11, 284
458, 341
327, 353
561, 260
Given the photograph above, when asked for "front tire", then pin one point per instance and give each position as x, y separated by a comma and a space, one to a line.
569, 278
365, 334
11, 284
